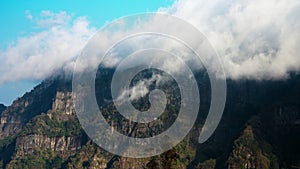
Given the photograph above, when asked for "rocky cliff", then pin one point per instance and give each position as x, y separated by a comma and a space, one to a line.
27, 145
33, 103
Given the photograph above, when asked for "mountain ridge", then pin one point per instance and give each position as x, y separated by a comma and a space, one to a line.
46, 115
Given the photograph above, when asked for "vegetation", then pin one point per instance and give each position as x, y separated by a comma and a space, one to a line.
90, 154
44, 125
248, 153
208, 164
36, 161
4, 143
270, 141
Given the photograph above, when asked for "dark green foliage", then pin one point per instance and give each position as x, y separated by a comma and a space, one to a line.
168, 160
7, 149
28, 162
56, 162
37, 160
208, 164
2, 108
4, 143
72, 127
86, 164
84, 158
52, 128
249, 153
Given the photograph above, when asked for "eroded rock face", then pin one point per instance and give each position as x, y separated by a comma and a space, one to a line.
62, 109
28, 144
10, 125
23, 109
10, 122
14, 117
63, 106
64, 103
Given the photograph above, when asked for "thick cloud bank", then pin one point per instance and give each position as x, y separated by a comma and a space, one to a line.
256, 39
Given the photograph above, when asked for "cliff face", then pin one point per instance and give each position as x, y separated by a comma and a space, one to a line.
27, 145
33, 103
11, 122
63, 107
65, 144
52, 135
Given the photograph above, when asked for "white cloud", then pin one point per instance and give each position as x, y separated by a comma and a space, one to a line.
40, 54
140, 89
256, 39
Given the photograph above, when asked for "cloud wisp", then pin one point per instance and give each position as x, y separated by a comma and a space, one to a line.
141, 88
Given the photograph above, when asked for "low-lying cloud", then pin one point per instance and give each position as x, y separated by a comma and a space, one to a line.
141, 88
255, 39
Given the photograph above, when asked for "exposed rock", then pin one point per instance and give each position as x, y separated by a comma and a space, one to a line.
23, 109
62, 145
63, 106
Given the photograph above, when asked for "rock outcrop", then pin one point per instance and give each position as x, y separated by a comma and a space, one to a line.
23, 109
63, 106
65, 146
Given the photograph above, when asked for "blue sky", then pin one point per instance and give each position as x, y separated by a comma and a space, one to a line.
15, 24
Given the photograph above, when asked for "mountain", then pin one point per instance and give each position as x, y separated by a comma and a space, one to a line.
260, 128
2, 108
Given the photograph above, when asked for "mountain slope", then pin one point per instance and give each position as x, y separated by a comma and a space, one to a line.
2, 108
259, 127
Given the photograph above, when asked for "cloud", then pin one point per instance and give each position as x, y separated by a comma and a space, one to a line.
41, 54
28, 15
256, 39
140, 89
49, 19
